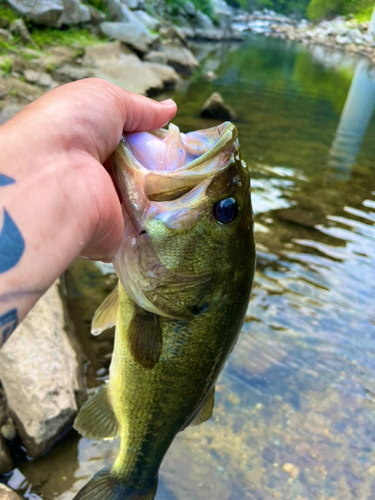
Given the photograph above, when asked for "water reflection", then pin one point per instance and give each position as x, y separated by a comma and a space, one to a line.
355, 118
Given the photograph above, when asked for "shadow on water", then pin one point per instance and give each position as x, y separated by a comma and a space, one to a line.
295, 407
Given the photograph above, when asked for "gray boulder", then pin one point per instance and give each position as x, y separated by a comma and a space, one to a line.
149, 21
119, 11
190, 9
113, 62
74, 13
180, 58
133, 34
132, 4
47, 12
203, 21
167, 75
156, 57
70, 73
8, 494
96, 15
41, 374
216, 108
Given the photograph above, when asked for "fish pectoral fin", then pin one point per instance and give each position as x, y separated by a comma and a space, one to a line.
145, 338
205, 413
106, 315
96, 419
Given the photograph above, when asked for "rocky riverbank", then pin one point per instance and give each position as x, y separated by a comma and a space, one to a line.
127, 45
339, 33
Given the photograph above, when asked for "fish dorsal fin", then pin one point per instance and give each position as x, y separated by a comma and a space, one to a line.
96, 419
106, 316
205, 413
145, 338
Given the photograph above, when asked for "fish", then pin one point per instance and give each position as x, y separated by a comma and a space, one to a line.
185, 267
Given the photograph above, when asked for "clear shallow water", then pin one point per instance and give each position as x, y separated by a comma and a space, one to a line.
295, 405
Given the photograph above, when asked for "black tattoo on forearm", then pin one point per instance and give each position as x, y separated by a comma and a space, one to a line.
12, 244
8, 323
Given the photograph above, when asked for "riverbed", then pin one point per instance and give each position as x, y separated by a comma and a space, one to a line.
295, 405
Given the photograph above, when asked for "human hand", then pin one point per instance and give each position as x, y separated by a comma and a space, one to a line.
62, 200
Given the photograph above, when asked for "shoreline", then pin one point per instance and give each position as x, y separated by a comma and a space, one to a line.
347, 35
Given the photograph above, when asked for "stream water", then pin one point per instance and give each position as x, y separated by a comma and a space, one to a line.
295, 405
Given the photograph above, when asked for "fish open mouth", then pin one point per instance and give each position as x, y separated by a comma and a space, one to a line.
170, 150
156, 167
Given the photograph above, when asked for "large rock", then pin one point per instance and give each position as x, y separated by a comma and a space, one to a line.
47, 12
74, 13
119, 11
156, 57
41, 375
132, 34
8, 494
203, 21
180, 58
216, 108
222, 12
149, 21
113, 62
132, 4
69, 73
168, 75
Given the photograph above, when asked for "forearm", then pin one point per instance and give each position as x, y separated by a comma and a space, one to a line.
40, 222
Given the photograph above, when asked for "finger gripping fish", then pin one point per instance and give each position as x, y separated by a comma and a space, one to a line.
185, 269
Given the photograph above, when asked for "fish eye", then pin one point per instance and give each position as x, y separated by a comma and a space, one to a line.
226, 211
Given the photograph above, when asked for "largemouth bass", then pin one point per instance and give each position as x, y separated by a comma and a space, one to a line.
185, 269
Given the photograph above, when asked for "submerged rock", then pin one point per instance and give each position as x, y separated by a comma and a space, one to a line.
41, 374
8, 494
215, 107
133, 34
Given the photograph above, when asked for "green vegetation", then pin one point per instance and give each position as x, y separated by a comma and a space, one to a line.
313, 9
6, 65
70, 37
175, 6
98, 4
318, 9
7, 14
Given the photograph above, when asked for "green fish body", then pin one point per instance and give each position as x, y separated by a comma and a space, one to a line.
185, 271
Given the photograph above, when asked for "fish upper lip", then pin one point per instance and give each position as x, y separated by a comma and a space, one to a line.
227, 133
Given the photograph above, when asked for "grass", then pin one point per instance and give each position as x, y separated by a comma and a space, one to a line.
70, 37
51, 37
